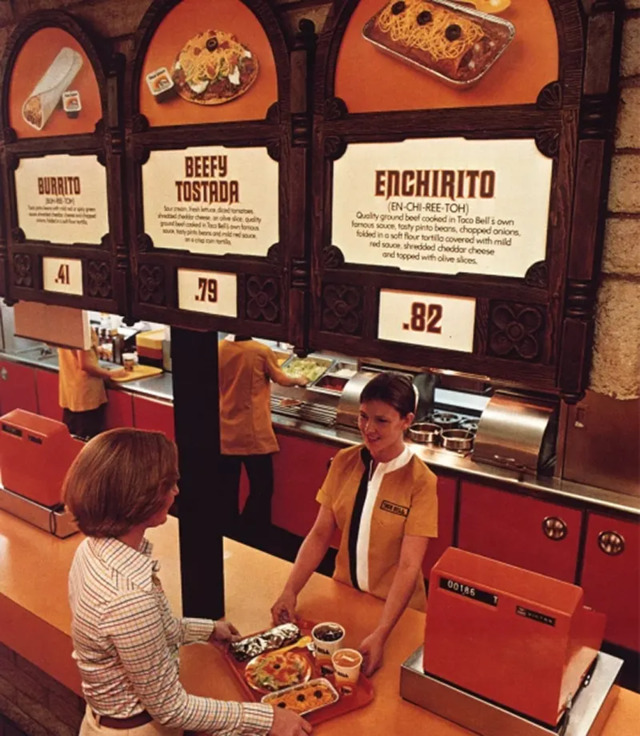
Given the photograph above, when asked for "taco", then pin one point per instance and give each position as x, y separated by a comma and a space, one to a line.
213, 67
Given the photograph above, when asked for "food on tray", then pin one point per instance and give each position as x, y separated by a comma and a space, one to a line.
308, 367
304, 698
160, 84
71, 103
274, 638
277, 670
46, 95
445, 39
289, 402
214, 67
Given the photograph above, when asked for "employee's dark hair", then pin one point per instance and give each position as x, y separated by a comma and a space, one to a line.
120, 479
392, 388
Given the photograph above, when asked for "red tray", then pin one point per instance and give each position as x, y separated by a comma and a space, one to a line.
362, 694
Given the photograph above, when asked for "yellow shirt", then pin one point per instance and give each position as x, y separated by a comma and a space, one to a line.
401, 499
245, 394
77, 390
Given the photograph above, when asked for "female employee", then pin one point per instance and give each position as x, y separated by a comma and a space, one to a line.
81, 390
383, 500
125, 639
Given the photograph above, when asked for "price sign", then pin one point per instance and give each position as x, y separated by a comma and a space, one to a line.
430, 320
63, 275
207, 291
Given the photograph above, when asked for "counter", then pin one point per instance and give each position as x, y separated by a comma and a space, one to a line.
161, 388
36, 623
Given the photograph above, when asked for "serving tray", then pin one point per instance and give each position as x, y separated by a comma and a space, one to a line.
361, 695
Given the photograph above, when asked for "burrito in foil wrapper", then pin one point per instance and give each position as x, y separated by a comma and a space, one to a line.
275, 638
47, 93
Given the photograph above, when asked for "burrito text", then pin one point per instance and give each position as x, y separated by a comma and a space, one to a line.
58, 185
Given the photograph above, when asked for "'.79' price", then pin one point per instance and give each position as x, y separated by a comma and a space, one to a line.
208, 290
424, 318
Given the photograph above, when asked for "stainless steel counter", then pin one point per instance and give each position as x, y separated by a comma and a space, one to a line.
161, 388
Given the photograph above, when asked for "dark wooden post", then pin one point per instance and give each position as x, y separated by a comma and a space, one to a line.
194, 357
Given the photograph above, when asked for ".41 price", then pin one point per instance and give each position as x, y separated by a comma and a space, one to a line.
424, 318
63, 275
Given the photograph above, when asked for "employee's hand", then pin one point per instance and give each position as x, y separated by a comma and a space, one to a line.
302, 381
224, 632
371, 649
288, 723
284, 609
117, 373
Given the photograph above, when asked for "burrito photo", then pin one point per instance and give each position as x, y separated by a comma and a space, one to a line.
46, 94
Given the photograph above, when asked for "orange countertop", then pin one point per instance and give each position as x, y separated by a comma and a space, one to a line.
35, 622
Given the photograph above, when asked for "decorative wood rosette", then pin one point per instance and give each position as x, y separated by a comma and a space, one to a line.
218, 136
62, 168
458, 195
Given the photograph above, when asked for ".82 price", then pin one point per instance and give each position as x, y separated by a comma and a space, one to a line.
207, 290
424, 318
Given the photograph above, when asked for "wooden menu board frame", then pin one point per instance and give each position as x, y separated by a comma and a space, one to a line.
103, 264
271, 290
571, 122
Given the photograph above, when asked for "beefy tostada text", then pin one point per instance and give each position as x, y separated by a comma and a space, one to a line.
214, 67
456, 44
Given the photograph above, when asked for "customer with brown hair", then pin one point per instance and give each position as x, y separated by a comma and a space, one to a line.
125, 638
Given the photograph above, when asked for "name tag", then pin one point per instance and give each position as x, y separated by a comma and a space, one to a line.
394, 508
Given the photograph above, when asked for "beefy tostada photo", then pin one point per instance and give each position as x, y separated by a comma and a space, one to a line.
451, 42
213, 67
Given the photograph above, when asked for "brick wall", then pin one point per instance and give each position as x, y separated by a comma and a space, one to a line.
32, 702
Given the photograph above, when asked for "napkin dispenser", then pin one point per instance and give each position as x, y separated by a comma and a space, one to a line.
514, 637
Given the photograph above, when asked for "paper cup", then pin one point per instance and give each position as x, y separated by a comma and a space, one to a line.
346, 669
327, 638
128, 361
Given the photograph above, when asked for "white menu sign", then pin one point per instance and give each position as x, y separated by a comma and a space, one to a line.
212, 200
62, 199
208, 291
429, 320
63, 275
443, 205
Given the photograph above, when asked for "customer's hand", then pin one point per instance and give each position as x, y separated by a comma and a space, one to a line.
371, 649
288, 723
284, 609
224, 632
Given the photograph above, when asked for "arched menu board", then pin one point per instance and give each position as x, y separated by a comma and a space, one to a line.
63, 168
216, 205
450, 184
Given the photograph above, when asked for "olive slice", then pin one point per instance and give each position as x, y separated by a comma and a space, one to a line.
398, 7
300, 698
424, 18
212, 43
282, 705
453, 32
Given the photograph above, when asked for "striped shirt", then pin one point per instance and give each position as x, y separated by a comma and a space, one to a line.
126, 644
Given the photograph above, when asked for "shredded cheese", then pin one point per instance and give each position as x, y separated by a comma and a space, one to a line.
430, 37
203, 66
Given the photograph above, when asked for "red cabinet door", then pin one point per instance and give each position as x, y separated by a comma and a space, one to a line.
447, 498
119, 409
509, 527
298, 471
17, 387
611, 576
47, 390
152, 414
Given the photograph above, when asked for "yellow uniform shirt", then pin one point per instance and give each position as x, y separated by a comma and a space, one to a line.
245, 393
400, 499
77, 390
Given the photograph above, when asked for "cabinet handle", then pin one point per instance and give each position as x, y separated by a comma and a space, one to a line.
554, 528
611, 543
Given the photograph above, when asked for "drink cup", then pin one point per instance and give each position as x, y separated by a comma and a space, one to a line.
346, 668
327, 638
128, 361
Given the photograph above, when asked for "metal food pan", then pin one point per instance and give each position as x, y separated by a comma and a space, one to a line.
324, 363
486, 20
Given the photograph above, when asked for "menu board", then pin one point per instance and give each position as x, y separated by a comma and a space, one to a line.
443, 205
53, 89
212, 200
412, 55
62, 199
